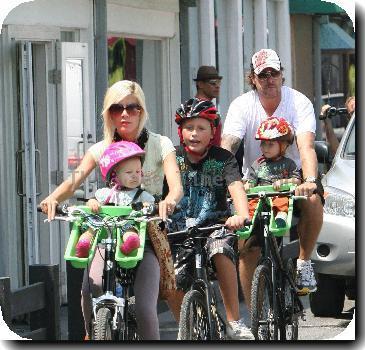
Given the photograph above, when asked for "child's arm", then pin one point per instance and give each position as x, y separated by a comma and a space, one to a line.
248, 184
102, 195
94, 205
294, 173
276, 185
238, 195
251, 180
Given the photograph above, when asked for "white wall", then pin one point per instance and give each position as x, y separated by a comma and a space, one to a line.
65, 13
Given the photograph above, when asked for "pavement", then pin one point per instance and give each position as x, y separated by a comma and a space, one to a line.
312, 328
168, 325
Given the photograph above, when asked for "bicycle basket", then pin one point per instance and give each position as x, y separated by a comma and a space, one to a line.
246, 231
129, 261
70, 252
276, 231
281, 231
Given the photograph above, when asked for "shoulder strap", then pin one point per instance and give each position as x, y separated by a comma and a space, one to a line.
137, 195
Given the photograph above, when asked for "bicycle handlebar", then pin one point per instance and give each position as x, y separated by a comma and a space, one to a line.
195, 230
263, 194
95, 220
60, 209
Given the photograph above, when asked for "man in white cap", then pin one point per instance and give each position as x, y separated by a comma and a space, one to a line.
267, 98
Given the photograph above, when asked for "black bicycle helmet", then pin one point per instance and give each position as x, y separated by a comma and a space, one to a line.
196, 108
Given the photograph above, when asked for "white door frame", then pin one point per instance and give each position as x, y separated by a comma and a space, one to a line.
29, 150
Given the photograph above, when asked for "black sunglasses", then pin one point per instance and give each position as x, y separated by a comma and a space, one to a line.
132, 108
270, 74
214, 82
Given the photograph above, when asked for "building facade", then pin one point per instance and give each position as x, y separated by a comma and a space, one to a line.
54, 71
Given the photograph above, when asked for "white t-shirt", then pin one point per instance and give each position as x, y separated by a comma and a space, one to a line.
157, 149
245, 114
122, 198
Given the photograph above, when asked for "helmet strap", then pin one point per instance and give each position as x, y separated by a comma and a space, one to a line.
112, 191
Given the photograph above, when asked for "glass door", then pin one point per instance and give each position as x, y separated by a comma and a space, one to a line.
76, 117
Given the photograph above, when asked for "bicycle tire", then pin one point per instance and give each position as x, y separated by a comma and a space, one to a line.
194, 324
218, 325
103, 325
263, 322
289, 328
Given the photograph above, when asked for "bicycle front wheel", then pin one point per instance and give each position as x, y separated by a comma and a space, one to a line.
103, 325
194, 323
263, 323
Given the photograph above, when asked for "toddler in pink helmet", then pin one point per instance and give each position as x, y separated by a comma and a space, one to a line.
121, 168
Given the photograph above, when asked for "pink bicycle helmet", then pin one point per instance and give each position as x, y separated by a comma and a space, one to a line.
116, 153
275, 128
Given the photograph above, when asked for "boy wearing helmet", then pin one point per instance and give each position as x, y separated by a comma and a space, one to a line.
121, 168
273, 168
208, 172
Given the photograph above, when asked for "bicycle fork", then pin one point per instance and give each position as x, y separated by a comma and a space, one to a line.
202, 277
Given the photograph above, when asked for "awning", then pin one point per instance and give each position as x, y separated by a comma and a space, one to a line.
313, 7
333, 37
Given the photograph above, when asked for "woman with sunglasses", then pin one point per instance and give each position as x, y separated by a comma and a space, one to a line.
125, 115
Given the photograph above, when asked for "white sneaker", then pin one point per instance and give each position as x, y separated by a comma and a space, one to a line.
280, 219
305, 279
237, 330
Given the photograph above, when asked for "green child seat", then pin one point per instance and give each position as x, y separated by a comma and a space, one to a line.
245, 232
124, 261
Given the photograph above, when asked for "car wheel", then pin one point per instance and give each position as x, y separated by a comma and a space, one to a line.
328, 300
351, 289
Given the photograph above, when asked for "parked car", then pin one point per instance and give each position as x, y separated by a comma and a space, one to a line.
334, 253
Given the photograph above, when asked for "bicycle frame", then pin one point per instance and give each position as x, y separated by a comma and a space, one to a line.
271, 257
115, 268
272, 252
202, 283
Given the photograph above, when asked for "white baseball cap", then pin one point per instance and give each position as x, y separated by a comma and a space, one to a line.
265, 58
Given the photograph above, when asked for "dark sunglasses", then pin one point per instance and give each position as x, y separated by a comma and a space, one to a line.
132, 108
214, 82
270, 74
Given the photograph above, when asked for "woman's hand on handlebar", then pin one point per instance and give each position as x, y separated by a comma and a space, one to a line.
235, 222
48, 206
166, 207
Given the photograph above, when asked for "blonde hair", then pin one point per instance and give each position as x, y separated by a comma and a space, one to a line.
117, 92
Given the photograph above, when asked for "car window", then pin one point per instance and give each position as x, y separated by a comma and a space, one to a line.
349, 151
